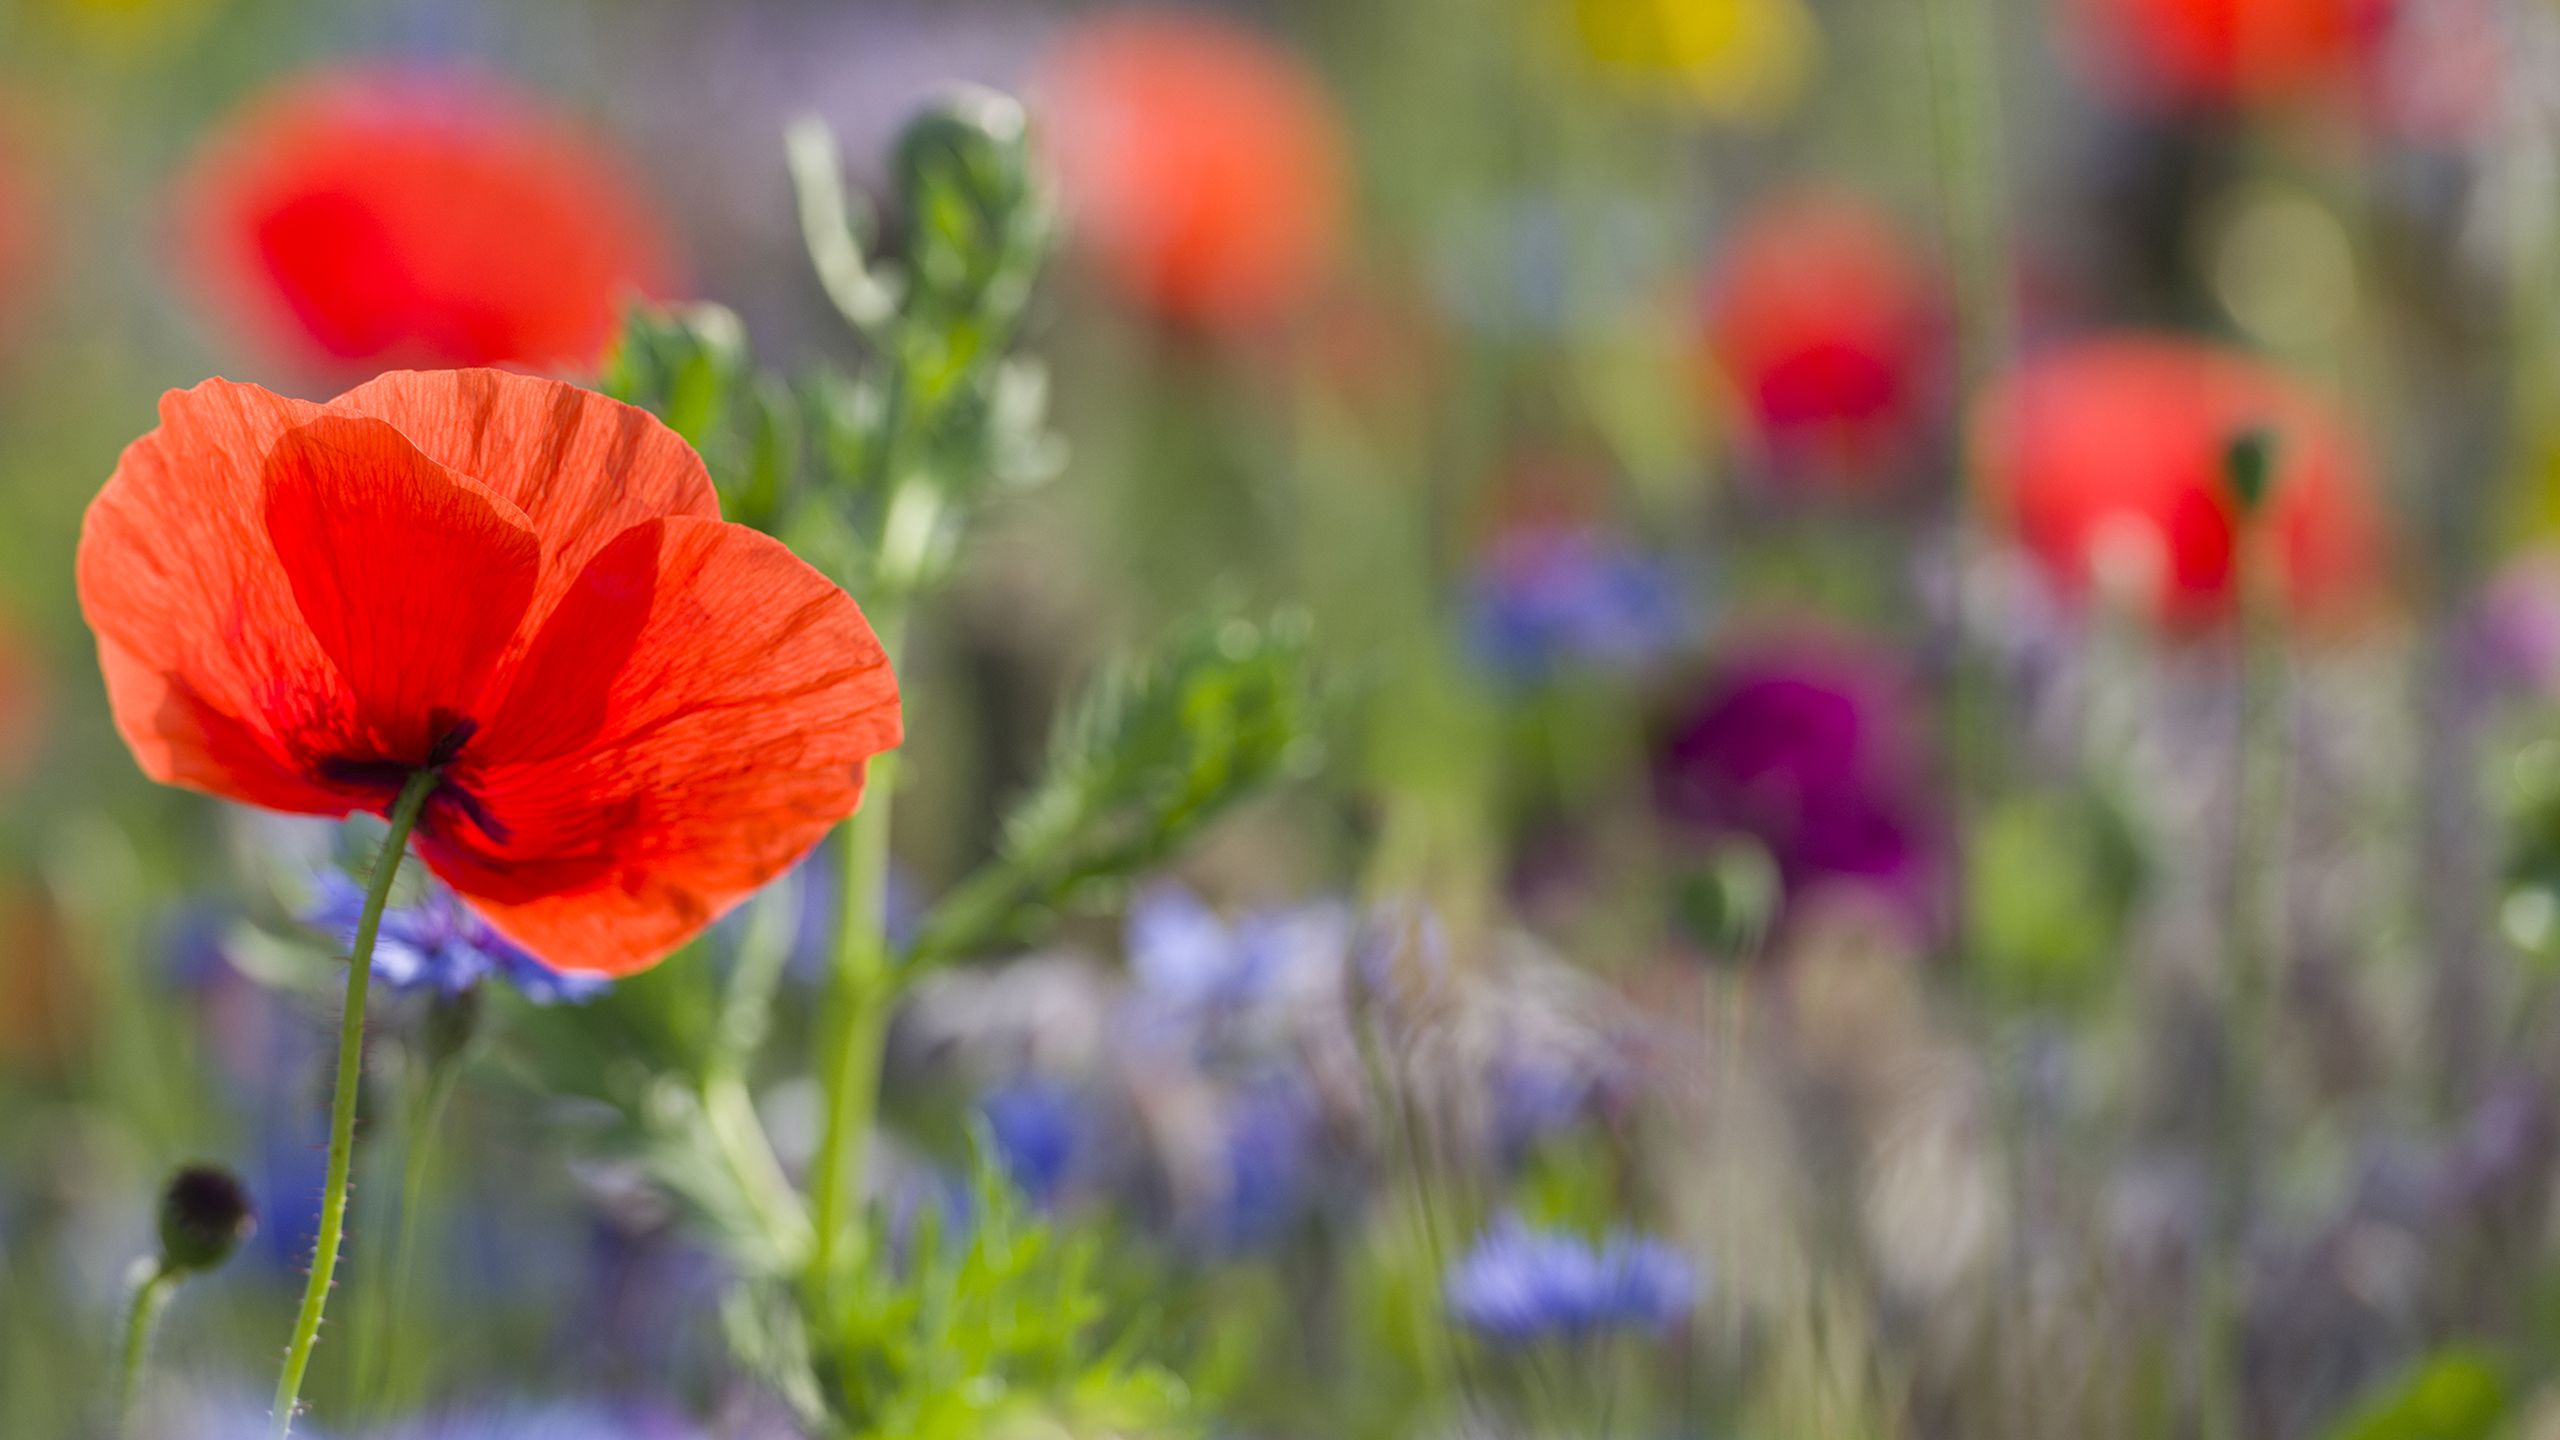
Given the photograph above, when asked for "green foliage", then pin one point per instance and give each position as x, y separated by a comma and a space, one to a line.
1150, 756
988, 1325
1730, 898
2529, 911
2459, 1393
690, 365
942, 413
2052, 884
871, 471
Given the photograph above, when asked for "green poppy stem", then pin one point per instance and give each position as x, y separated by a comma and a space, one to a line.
865, 992
149, 1299
342, 1109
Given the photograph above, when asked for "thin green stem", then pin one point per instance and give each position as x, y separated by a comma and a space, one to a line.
2256, 959
149, 1299
728, 1105
865, 990
342, 1109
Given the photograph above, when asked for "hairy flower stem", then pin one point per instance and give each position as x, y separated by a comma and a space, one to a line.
150, 1297
865, 993
342, 1109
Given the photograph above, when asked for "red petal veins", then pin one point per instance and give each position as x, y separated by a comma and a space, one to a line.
213, 675
583, 468
413, 579
692, 719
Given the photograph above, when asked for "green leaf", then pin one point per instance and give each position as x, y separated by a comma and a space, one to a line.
2458, 1393
987, 1325
2050, 890
1151, 755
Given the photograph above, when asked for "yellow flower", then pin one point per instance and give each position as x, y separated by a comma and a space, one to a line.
1744, 61
133, 25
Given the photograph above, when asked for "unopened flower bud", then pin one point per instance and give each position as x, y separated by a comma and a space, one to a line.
2249, 466
204, 1215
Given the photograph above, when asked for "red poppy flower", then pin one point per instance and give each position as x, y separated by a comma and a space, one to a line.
2109, 458
640, 713
370, 219
1821, 319
1203, 164
2225, 51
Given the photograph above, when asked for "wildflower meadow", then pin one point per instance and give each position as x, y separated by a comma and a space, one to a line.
1280, 720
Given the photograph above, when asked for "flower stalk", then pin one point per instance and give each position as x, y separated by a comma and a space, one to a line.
342, 1110
865, 994
142, 1317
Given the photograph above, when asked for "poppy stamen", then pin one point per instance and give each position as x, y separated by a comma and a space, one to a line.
456, 736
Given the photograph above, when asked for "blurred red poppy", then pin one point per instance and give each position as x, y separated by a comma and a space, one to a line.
1821, 319
360, 219
639, 713
2109, 459
2216, 52
1202, 164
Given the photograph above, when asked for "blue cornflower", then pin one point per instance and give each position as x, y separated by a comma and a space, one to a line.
438, 944
1520, 1285
552, 1420
1038, 1128
1546, 599
1270, 1135
1185, 958
1536, 1096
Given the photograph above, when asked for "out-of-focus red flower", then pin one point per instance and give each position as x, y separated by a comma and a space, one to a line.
2220, 52
1822, 321
639, 713
1203, 165
363, 219
2109, 461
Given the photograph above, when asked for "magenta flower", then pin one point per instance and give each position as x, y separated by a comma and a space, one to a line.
1803, 743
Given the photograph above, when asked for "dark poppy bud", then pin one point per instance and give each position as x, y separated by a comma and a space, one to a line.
204, 1215
2249, 467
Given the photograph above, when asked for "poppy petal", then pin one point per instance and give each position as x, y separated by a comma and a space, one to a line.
180, 738
692, 719
582, 467
212, 673
412, 578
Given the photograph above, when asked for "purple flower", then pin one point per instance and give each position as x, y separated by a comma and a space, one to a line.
2510, 642
1038, 1128
1546, 599
552, 1420
438, 944
1271, 1134
1801, 745
1520, 1286
1187, 960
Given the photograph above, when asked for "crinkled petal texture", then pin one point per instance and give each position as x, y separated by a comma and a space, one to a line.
641, 713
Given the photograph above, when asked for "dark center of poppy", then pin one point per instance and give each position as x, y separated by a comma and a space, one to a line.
388, 775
